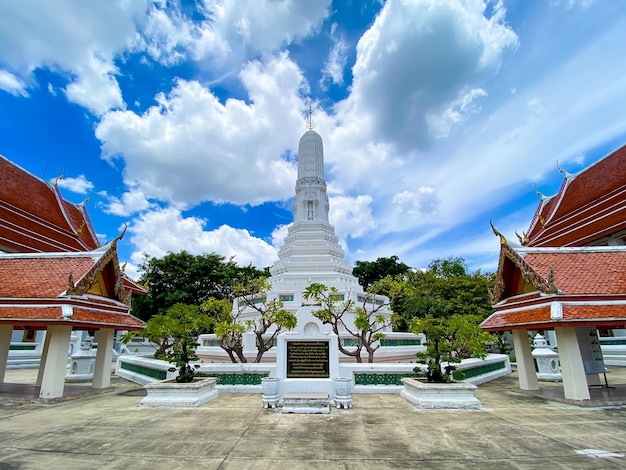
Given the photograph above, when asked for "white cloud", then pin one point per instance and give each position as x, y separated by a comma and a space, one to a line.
11, 84
424, 201
80, 184
279, 234
420, 58
337, 58
351, 216
159, 231
131, 202
230, 31
192, 148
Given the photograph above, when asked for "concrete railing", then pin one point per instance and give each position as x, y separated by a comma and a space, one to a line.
367, 378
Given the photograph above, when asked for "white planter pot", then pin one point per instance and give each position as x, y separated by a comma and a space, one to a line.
456, 395
343, 386
171, 394
271, 388
343, 392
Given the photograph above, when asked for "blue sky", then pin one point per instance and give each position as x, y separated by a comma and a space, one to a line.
181, 119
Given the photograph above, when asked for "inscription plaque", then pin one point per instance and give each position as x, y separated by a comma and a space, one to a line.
307, 360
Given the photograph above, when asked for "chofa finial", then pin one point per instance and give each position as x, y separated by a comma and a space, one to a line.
310, 124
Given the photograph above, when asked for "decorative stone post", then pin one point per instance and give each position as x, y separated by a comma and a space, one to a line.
547, 360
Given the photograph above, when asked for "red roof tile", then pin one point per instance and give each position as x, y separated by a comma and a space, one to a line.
581, 196
599, 315
582, 272
34, 217
81, 318
40, 277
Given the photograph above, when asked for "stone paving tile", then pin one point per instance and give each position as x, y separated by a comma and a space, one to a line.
381, 431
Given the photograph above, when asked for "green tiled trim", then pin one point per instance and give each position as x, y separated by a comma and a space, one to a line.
236, 378
388, 378
23, 347
349, 342
143, 370
479, 370
400, 342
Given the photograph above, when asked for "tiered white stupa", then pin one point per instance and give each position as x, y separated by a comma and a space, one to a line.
312, 254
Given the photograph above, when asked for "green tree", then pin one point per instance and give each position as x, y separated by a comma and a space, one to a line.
189, 279
369, 320
449, 340
369, 272
268, 316
175, 332
445, 289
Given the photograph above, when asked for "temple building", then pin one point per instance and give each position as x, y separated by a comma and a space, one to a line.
312, 254
55, 278
567, 276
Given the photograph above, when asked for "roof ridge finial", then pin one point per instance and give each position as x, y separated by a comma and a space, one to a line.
310, 125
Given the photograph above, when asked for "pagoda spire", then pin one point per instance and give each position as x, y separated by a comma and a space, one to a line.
310, 125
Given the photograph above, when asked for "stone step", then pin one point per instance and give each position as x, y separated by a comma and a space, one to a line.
306, 403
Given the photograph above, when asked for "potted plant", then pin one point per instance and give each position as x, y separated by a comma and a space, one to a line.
179, 327
448, 341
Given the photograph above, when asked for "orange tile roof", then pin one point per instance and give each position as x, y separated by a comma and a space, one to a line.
40, 277
34, 217
589, 206
82, 318
34, 286
538, 318
582, 272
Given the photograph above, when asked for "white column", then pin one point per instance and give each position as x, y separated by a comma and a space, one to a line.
525, 364
102, 370
572, 367
5, 345
44, 357
54, 367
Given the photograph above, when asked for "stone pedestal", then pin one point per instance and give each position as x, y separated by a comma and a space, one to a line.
171, 394
456, 395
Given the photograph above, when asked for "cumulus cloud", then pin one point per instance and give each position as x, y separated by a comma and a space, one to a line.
131, 202
192, 148
418, 59
75, 37
82, 39
228, 32
80, 184
11, 84
156, 232
351, 216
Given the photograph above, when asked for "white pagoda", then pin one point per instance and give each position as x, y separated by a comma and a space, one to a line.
312, 254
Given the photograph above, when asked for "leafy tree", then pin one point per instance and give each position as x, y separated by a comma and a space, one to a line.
369, 272
186, 278
252, 300
449, 340
176, 333
445, 289
369, 320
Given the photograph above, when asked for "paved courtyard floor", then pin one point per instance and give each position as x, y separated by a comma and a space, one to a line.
109, 431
